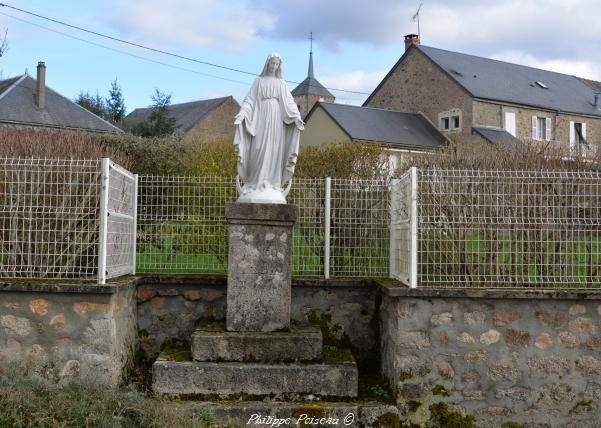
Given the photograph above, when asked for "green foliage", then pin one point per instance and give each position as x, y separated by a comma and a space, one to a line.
441, 390
115, 104
159, 123
343, 160
27, 401
211, 159
92, 103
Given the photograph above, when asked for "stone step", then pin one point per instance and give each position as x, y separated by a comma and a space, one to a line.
271, 414
337, 377
211, 342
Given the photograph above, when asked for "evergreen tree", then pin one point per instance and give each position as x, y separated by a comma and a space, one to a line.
159, 123
115, 104
95, 104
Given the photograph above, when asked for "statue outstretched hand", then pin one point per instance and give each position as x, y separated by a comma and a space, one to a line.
238, 119
299, 124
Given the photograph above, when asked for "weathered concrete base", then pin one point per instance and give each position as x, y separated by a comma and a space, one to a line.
337, 379
211, 342
259, 414
259, 289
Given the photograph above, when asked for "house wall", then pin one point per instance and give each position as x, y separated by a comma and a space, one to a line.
418, 85
492, 114
320, 128
218, 125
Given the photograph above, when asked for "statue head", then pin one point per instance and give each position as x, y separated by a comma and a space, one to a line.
273, 60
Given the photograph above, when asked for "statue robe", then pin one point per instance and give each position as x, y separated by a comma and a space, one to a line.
267, 140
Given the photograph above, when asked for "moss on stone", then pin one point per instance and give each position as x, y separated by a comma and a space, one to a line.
441, 390
334, 355
312, 411
388, 420
441, 415
405, 375
175, 350
512, 424
413, 405
329, 330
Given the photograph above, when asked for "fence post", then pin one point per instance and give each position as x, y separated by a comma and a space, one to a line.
413, 225
135, 225
326, 249
392, 263
103, 232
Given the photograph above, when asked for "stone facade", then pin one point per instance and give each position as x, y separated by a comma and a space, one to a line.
218, 125
528, 357
306, 102
492, 114
64, 331
416, 84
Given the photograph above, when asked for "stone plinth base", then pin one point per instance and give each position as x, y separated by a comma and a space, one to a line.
336, 379
259, 264
213, 343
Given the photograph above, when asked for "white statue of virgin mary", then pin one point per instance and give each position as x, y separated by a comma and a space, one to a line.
266, 141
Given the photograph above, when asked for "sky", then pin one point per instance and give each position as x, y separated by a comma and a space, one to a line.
356, 42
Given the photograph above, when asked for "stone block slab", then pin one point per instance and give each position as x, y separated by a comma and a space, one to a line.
211, 342
254, 379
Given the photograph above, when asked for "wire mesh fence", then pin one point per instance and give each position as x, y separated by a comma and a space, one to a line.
182, 229
49, 218
53, 223
509, 229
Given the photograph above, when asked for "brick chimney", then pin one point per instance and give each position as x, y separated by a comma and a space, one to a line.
411, 39
40, 98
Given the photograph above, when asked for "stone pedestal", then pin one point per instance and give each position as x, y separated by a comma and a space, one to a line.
259, 265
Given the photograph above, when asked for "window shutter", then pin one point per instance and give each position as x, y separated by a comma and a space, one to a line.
584, 130
548, 129
572, 135
534, 126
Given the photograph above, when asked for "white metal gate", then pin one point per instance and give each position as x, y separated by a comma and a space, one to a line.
118, 211
403, 228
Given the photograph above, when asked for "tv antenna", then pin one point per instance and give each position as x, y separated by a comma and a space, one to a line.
415, 17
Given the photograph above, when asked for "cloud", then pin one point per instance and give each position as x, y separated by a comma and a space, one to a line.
357, 81
587, 69
197, 23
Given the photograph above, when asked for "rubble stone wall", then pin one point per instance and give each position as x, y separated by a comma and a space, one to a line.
528, 357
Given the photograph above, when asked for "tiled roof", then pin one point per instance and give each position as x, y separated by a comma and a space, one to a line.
491, 79
18, 106
186, 114
398, 129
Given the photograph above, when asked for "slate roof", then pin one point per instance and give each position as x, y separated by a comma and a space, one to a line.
496, 135
186, 114
17, 106
491, 79
310, 86
592, 83
395, 128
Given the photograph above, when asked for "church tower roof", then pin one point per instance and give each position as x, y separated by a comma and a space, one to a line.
311, 86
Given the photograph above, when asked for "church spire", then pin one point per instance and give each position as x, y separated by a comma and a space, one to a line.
310, 73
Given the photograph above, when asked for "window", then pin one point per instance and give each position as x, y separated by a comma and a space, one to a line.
450, 121
541, 128
578, 141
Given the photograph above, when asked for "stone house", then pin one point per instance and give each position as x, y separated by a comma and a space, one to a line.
310, 91
473, 98
26, 102
398, 132
200, 121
